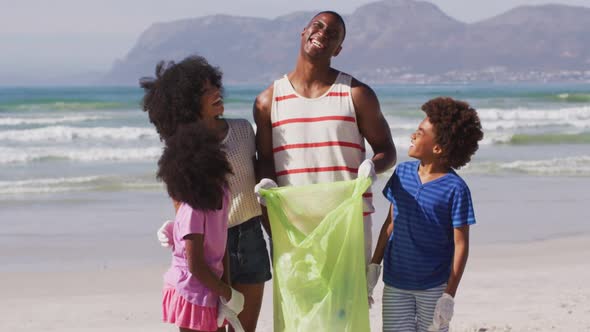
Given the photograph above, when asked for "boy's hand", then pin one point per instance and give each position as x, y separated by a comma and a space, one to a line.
263, 184
164, 233
443, 312
373, 272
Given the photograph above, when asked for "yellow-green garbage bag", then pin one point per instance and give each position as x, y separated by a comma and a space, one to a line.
319, 281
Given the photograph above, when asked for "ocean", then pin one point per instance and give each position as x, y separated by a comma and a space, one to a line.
77, 164
62, 140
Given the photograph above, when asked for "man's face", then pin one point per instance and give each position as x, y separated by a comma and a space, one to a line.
323, 36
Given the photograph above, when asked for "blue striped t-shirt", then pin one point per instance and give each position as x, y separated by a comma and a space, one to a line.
419, 252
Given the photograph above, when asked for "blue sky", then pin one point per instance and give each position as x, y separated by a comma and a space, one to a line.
46, 38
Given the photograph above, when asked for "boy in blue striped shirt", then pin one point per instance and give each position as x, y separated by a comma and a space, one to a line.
424, 241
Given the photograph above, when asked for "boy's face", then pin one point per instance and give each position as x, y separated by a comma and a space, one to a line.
211, 101
423, 146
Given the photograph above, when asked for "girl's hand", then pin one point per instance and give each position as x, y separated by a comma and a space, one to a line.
230, 309
236, 301
164, 233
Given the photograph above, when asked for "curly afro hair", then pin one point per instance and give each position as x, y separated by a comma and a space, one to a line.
457, 129
194, 167
173, 97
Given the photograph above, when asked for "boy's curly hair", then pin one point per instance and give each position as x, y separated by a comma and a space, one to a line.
194, 167
457, 129
174, 96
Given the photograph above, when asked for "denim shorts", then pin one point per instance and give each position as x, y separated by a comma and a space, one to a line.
248, 256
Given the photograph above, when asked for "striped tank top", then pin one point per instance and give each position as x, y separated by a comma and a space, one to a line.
316, 140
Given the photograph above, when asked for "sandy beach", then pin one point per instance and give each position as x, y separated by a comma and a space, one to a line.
537, 286
528, 268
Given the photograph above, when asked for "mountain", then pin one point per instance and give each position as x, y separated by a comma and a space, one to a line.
387, 41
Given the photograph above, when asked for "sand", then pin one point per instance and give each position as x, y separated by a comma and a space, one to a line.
536, 286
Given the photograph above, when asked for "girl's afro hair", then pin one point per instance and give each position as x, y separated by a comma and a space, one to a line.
194, 167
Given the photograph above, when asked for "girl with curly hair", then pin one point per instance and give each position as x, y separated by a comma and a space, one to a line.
191, 91
194, 169
424, 240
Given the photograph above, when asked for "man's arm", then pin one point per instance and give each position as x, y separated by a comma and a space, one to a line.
459, 260
373, 126
265, 165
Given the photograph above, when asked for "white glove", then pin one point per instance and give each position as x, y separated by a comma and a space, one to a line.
230, 309
367, 170
443, 312
165, 233
373, 272
263, 184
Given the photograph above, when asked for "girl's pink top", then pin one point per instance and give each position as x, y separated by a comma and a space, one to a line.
213, 225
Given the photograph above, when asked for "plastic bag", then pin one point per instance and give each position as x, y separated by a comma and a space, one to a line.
319, 279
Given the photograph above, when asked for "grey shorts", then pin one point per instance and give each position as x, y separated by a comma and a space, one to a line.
248, 256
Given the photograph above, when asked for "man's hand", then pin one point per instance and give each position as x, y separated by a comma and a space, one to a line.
367, 170
443, 312
230, 309
263, 184
164, 234
373, 272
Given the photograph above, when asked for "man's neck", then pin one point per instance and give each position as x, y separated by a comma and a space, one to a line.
311, 79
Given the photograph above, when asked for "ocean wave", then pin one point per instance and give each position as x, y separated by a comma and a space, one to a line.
498, 119
490, 138
65, 133
569, 166
522, 113
45, 185
63, 105
36, 154
49, 120
555, 96
73, 184
575, 97
401, 125
525, 139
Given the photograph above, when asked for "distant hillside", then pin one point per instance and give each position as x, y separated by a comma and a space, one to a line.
387, 41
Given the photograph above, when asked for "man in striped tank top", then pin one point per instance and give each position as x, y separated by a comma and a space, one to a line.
313, 122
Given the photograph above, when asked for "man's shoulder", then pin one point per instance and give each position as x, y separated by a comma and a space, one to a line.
264, 98
267, 93
361, 92
357, 84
